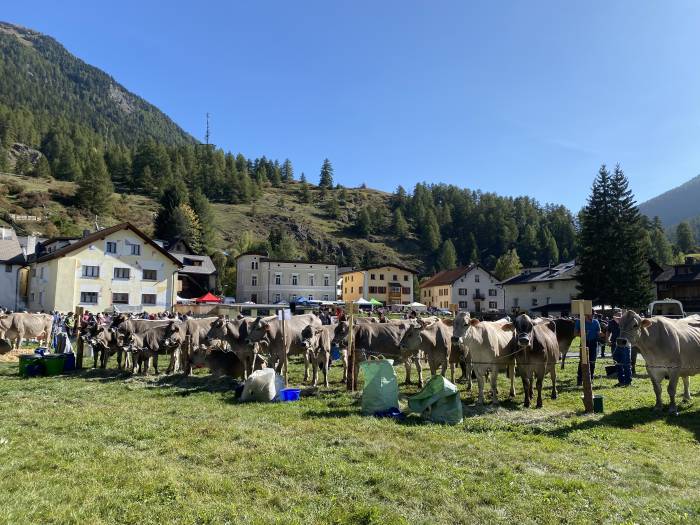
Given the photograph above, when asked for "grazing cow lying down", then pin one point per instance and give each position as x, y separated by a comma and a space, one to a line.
235, 334
223, 363
491, 345
670, 347
537, 353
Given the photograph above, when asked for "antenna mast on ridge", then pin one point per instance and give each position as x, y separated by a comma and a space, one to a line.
206, 135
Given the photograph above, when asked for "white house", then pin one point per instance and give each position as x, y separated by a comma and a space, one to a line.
267, 281
470, 288
542, 291
13, 271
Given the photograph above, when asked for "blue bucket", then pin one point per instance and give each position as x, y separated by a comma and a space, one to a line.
335, 353
69, 362
290, 394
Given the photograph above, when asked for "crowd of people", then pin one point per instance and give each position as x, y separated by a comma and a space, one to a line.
599, 333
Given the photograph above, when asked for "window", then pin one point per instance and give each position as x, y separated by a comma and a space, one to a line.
34, 272
547, 300
463, 304
278, 278
533, 288
295, 280
111, 247
492, 292
150, 275
254, 265
371, 276
534, 301
551, 286
31, 296
352, 289
8, 267
135, 249
91, 271
148, 298
312, 278
396, 277
311, 297
515, 302
42, 273
462, 291
381, 276
360, 289
406, 290
405, 278
88, 297
476, 278
254, 280
278, 297
325, 297
254, 298
381, 289
120, 298
493, 305
121, 273
293, 297
372, 289
188, 261
326, 281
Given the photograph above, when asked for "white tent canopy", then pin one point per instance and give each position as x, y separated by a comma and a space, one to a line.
362, 300
416, 306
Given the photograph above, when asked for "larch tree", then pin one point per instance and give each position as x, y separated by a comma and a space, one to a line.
326, 178
95, 188
447, 259
508, 265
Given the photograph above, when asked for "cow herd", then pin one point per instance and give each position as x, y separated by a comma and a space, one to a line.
529, 348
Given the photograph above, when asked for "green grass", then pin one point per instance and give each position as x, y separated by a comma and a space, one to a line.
101, 447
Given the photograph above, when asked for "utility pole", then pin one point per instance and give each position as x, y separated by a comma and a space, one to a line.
206, 135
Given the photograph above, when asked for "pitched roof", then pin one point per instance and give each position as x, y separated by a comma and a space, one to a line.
11, 251
560, 272
383, 265
207, 267
101, 234
447, 276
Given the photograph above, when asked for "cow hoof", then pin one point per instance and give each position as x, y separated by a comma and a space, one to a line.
658, 408
672, 410
554, 395
526, 404
539, 405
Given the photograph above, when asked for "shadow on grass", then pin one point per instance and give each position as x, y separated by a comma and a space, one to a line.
633, 417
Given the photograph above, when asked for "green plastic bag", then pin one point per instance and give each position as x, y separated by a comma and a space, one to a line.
381, 389
438, 401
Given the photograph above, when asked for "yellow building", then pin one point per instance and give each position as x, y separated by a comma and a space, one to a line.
116, 268
389, 284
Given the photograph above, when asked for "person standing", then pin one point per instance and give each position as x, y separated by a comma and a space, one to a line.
622, 355
592, 335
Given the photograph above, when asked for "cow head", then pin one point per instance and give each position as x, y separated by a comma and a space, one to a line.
460, 326
310, 336
632, 326
412, 338
174, 334
524, 328
217, 331
340, 334
258, 330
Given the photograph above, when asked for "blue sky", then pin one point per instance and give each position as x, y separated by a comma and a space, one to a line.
512, 97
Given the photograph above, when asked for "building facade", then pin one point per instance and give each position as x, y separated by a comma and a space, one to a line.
681, 282
197, 276
262, 280
542, 291
468, 288
389, 284
115, 269
13, 271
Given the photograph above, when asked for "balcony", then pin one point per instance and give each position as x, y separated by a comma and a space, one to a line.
478, 296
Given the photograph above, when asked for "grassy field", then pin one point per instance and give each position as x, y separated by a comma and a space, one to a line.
102, 447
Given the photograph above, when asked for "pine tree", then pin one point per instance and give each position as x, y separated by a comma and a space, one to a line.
508, 265
685, 238
281, 245
42, 168
201, 207
303, 178
661, 250
613, 267
431, 232
400, 224
326, 178
95, 188
170, 224
287, 171
305, 192
447, 259
363, 224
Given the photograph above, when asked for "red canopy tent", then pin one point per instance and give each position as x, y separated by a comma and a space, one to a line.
208, 298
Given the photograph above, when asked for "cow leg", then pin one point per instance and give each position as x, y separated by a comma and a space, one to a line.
452, 372
419, 368
526, 390
480, 383
656, 383
672, 386
119, 358
540, 380
511, 371
553, 375
635, 352
326, 366
563, 358
95, 354
345, 366
407, 365
433, 366
105, 358
467, 369
155, 363
494, 386
686, 390
314, 372
306, 367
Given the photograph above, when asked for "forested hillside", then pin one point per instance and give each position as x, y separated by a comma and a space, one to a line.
676, 205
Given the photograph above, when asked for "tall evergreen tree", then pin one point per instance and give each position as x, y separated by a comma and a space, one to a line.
613, 267
661, 250
508, 265
685, 238
326, 178
170, 224
287, 171
400, 224
95, 188
447, 259
201, 207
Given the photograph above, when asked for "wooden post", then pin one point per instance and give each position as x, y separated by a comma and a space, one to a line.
79, 343
284, 347
351, 379
583, 308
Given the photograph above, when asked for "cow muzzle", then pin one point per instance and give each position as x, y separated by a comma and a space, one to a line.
523, 340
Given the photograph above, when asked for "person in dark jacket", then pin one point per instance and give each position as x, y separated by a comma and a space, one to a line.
592, 335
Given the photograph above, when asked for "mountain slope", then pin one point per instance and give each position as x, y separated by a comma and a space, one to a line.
39, 74
676, 205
